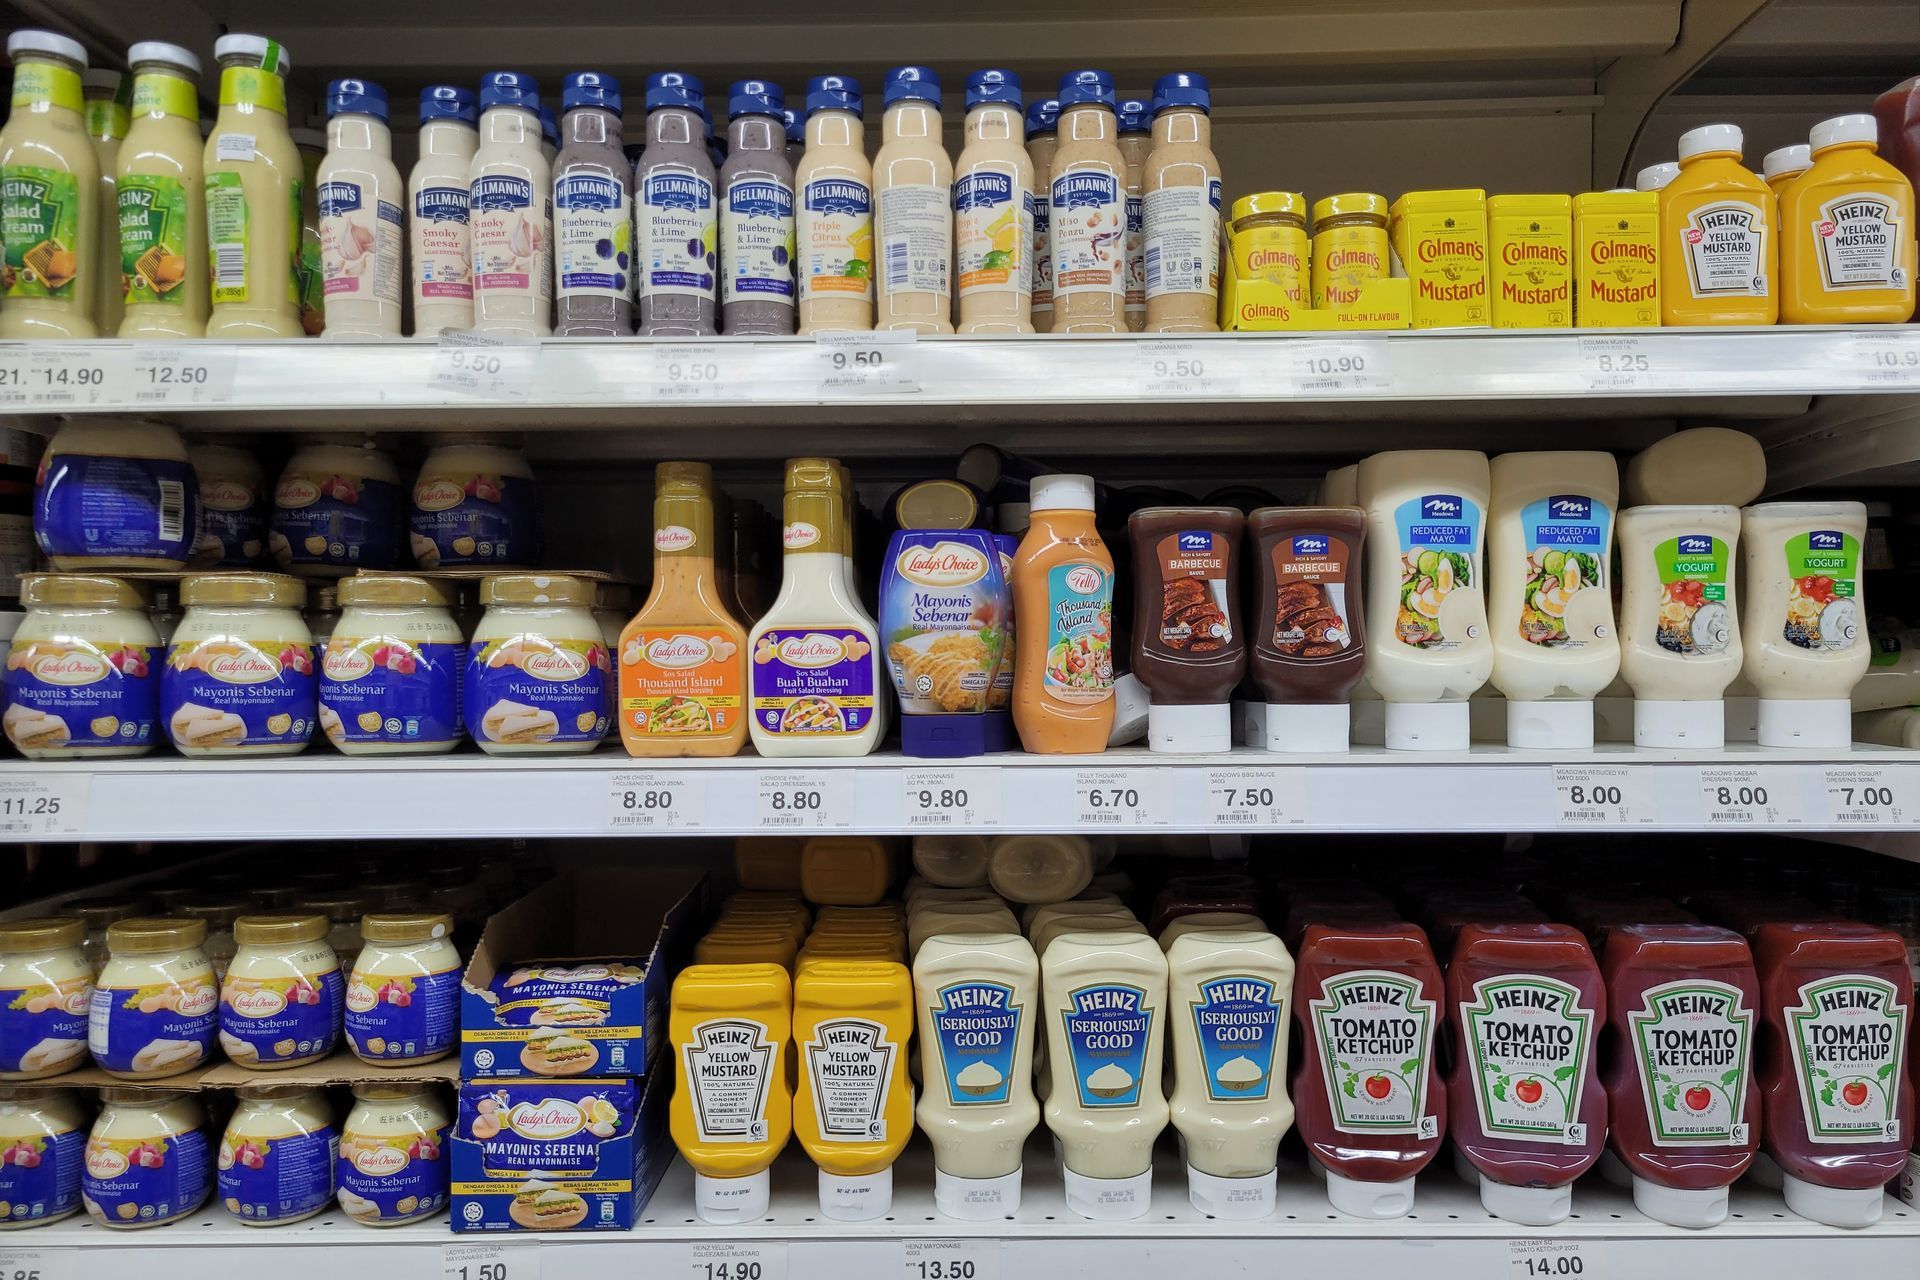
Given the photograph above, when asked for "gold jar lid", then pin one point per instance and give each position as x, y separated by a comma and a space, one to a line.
79, 591
216, 909
393, 589
47, 933
258, 590
405, 926
536, 589
280, 930
397, 891
148, 935
1353, 204
937, 504
98, 913
1284, 203
343, 904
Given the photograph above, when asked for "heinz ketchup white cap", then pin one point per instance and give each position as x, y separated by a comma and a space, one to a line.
1711, 137
1528, 1206
1677, 1208
1834, 1206
1376, 1200
1857, 127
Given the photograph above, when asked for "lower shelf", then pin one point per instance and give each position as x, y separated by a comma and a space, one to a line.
1454, 1238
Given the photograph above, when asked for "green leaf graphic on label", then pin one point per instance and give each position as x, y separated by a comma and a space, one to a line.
40, 221
153, 239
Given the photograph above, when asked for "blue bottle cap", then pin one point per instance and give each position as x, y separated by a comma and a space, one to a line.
920, 83
993, 86
590, 89
706, 116
1043, 116
509, 89
755, 98
448, 102
674, 89
796, 127
834, 93
1135, 116
356, 98
549, 127
1181, 89
1086, 86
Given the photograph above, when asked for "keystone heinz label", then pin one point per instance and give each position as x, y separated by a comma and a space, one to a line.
1528, 1041
1375, 1038
1108, 1031
850, 1063
1846, 1040
730, 1064
976, 1028
1692, 1042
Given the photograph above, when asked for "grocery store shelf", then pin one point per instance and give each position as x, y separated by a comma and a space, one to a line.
1868, 791
1447, 1237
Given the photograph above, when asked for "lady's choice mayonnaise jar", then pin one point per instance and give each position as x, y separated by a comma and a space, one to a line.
337, 508
281, 999
46, 987
115, 493
152, 1014
393, 1157
233, 505
343, 909
403, 1000
277, 1157
239, 677
537, 668
80, 675
147, 1158
390, 676
43, 1136
474, 506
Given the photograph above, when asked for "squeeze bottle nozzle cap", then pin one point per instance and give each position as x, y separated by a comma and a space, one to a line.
726, 1201
856, 1197
1232, 1199
1795, 159
993, 85
976, 1199
1824, 724
1086, 86
921, 83
1061, 492
1135, 116
242, 44
1710, 138
1685, 726
1656, 176
1834, 1206
448, 102
509, 89
1108, 1199
1182, 89
590, 89
1554, 726
755, 98
1856, 127
160, 51
34, 40
834, 93
1379, 1201
1696, 1210
674, 89
356, 98
1043, 116
1307, 727
1528, 1206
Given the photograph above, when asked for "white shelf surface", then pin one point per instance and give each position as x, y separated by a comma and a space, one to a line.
1868, 791
892, 370
1449, 1236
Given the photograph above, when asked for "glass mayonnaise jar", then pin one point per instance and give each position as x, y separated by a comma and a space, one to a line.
473, 505
393, 1167
115, 493
147, 1158
98, 914
239, 677
390, 677
403, 1001
217, 911
233, 505
43, 1136
80, 679
46, 986
281, 999
343, 909
152, 1013
277, 1157
336, 508
537, 669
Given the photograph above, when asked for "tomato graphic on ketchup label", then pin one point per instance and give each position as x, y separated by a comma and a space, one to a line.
1692, 1041
1847, 1038
1375, 1037
1528, 1042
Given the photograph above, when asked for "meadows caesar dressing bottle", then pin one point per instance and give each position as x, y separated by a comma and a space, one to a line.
1181, 210
161, 191
49, 193
1089, 227
913, 210
833, 234
510, 210
254, 180
993, 210
361, 198
442, 262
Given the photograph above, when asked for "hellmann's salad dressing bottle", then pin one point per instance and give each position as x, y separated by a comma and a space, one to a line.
993, 210
1180, 204
833, 229
361, 197
913, 210
510, 216
442, 257
1089, 225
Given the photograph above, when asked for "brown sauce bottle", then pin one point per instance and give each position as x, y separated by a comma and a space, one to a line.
1307, 641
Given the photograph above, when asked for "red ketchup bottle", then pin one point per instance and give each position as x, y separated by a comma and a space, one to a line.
1527, 1111
1838, 1104
1369, 1101
1682, 1003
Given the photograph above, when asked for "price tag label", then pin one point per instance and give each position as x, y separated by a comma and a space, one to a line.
1616, 364
1256, 798
491, 366
1871, 795
737, 1260
692, 371
1323, 367
1885, 359
1120, 798
36, 1264
46, 375
853, 364
955, 799
654, 800
186, 374
974, 1259
1599, 796
490, 1261
1184, 370
46, 804
1553, 1258
1767, 796
804, 800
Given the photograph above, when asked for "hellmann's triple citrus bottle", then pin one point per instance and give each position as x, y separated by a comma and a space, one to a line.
1846, 241
1720, 257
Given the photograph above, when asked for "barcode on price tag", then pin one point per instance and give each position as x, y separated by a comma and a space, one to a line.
492, 366
867, 363
654, 800
804, 800
1767, 796
1256, 798
169, 375
51, 804
956, 799
1599, 796
35, 1264
1885, 360
692, 371
737, 1260
1553, 1259
1183, 370
1616, 363
490, 1261
1114, 798
972, 1259
1320, 366
1871, 796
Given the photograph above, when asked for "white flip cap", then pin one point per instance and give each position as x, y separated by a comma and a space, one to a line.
1131, 707
1199, 729
727, 1201
1858, 127
856, 1197
1656, 176
1109, 1199
1554, 726
1710, 138
1822, 723
1376, 1200
1834, 1206
1428, 726
976, 1199
251, 46
1528, 1206
1785, 160
1308, 726
1695, 1209
34, 40
160, 51
1060, 493
1232, 1199
1688, 726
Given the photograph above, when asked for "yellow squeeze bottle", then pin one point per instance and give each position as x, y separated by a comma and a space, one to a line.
1846, 241
746, 947
732, 1107
846, 871
1719, 256
1616, 237
853, 1112
1440, 244
1531, 238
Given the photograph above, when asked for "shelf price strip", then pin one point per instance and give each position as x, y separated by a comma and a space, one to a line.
1871, 796
1184, 370
962, 1259
1601, 796
43, 375
170, 375
1258, 798
1118, 799
490, 1262
1762, 796
490, 366
737, 1260
804, 800
49, 804
1320, 366
656, 800
950, 799
1554, 1258
856, 364
1616, 364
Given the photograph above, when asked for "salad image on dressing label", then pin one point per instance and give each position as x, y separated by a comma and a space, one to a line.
1426, 579
1822, 609
1693, 618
